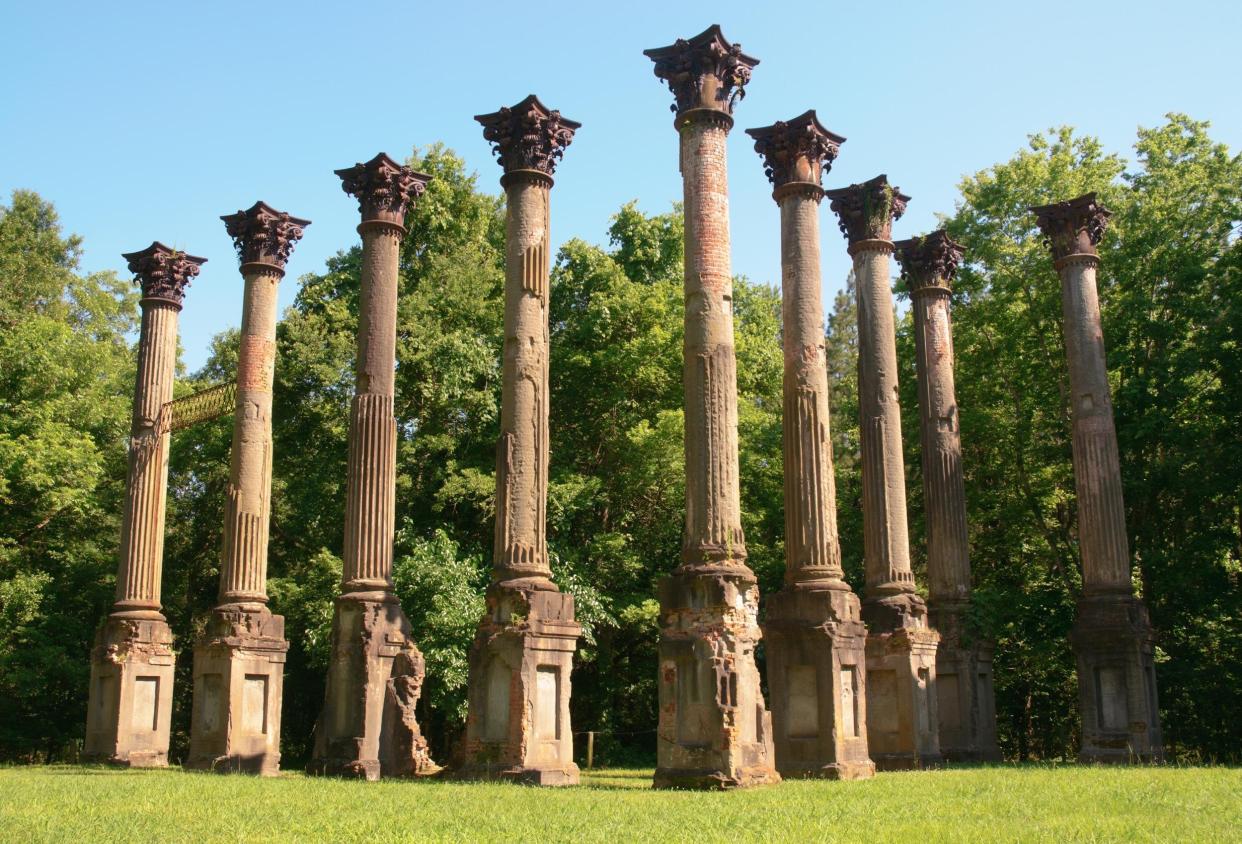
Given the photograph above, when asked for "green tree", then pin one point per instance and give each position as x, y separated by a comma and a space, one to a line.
66, 369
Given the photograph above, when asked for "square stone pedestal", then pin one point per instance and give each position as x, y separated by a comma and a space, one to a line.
518, 726
816, 647
902, 717
130, 705
368, 726
966, 700
238, 680
1114, 643
714, 730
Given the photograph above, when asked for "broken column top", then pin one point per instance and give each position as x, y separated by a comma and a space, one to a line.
383, 187
704, 72
866, 211
1072, 227
528, 136
800, 150
263, 235
163, 272
929, 262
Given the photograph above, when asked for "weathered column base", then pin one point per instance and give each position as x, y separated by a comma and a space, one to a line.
238, 681
714, 730
965, 697
901, 684
1114, 644
368, 727
131, 687
816, 646
518, 727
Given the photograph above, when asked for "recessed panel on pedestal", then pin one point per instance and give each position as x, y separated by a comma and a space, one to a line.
803, 701
1110, 683
254, 704
849, 701
146, 703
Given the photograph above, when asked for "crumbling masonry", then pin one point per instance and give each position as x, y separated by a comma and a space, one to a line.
1112, 635
130, 704
965, 699
714, 729
901, 647
814, 631
239, 661
368, 727
518, 723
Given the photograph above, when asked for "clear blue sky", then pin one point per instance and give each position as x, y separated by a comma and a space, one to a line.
146, 121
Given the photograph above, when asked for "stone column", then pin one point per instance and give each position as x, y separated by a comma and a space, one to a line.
518, 724
715, 729
966, 702
1112, 635
368, 726
815, 635
132, 663
239, 661
901, 647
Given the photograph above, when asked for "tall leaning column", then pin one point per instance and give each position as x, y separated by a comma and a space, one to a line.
815, 636
518, 723
966, 700
368, 726
1112, 635
714, 729
901, 647
239, 661
132, 663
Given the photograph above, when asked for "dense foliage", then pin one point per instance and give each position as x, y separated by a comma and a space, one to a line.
1171, 285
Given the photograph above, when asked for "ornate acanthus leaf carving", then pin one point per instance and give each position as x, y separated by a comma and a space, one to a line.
384, 188
705, 71
261, 234
528, 136
866, 211
162, 272
797, 150
929, 261
1074, 226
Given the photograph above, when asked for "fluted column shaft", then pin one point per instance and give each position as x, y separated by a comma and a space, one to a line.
371, 483
142, 530
1097, 466
243, 569
521, 551
713, 495
886, 540
944, 490
812, 550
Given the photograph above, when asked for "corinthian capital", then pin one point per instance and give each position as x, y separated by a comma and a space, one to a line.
163, 273
929, 262
383, 187
263, 235
1072, 227
866, 211
705, 71
528, 136
797, 150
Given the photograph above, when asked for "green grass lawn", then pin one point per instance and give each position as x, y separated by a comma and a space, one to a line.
1005, 803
